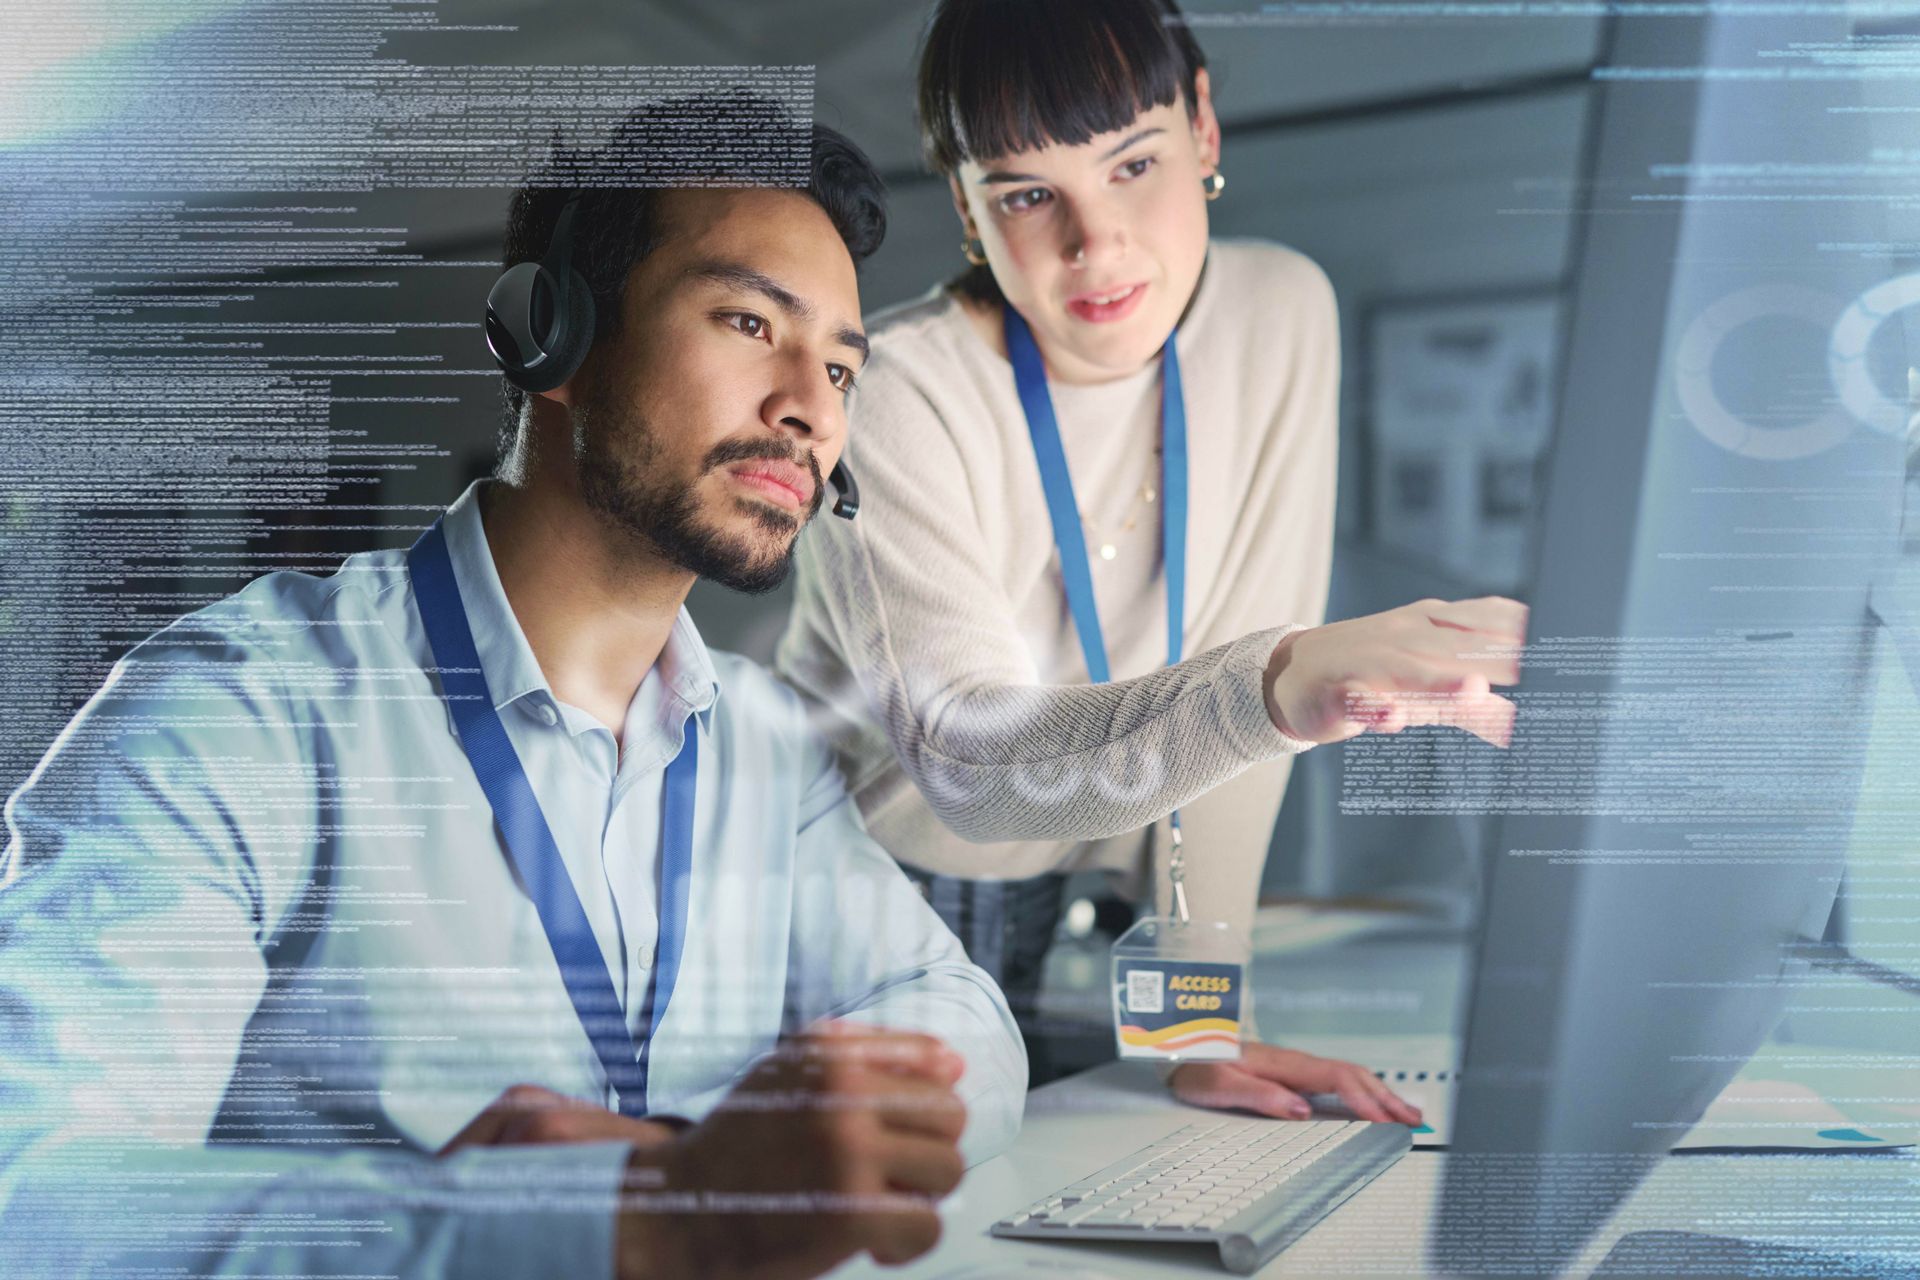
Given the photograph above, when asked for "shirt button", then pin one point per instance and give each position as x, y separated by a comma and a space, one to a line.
548, 716
645, 956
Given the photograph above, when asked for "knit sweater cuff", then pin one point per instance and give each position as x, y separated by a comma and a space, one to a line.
1253, 732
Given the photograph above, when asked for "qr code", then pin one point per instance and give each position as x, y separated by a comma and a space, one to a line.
1146, 991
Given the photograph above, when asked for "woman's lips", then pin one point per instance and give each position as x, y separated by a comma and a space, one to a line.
783, 485
1104, 306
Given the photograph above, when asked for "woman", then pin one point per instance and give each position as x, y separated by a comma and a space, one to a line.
992, 638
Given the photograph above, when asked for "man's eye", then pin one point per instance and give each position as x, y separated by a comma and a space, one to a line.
1134, 168
1022, 201
746, 322
843, 377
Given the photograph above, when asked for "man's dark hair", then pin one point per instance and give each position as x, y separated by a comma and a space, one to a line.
1002, 76
730, 139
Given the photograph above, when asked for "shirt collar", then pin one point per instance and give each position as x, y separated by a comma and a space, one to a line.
506, 659
687, 667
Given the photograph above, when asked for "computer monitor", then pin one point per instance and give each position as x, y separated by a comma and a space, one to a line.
1723, 489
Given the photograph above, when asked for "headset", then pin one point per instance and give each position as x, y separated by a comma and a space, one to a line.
540, 326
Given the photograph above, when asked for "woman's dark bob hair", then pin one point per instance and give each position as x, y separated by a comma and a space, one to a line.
1002, 76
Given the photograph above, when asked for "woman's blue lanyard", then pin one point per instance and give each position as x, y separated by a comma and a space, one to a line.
1030, 378
623, 1051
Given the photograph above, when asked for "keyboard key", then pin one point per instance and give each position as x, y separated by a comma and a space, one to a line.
1076, 1215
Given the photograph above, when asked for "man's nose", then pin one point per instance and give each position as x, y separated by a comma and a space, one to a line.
804, 403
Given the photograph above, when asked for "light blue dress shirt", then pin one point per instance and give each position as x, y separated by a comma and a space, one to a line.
262, 950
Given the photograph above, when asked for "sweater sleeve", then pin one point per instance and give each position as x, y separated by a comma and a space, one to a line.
908, 597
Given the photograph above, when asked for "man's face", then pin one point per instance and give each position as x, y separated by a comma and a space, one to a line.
1100, 245
707, 424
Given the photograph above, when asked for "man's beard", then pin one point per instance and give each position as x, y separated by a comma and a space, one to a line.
616, 451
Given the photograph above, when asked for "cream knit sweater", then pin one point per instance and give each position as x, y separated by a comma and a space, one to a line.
933, 632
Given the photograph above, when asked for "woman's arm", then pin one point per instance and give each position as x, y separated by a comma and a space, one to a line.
909, 599
904, 619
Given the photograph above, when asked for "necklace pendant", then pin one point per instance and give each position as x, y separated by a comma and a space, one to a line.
1108, 551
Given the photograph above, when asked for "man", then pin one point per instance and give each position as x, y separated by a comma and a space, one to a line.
264, 949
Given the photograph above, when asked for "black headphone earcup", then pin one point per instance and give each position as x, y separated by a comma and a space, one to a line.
520, 319
571, 340
567, 343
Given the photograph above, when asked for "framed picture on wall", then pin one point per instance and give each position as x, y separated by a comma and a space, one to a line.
1460, 401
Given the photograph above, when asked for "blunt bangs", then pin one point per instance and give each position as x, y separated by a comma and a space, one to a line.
1004, 76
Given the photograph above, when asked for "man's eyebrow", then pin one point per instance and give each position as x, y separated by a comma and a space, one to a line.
1002, 175
735, 276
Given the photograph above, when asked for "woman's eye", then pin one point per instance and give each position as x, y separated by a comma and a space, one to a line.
1022, 201
843, 377
1134, 168
751, 325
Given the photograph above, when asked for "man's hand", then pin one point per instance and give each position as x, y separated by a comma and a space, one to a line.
1430, 662
1271, 1081
528, 1114
840, 1141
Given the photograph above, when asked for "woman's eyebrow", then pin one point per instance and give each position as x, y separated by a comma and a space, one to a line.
1141, 136
1003, 175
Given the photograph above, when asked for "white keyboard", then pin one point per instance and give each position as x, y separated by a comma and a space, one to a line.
1250, 1186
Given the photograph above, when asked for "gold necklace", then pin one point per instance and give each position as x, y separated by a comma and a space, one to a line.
1148, 494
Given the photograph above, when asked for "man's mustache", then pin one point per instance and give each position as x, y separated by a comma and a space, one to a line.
767, 449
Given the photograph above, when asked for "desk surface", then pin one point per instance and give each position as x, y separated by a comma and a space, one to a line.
1076, 1125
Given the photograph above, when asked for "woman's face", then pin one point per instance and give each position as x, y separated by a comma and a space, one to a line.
1099, 246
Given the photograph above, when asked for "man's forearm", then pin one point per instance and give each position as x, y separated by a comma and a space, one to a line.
99, 1208
950, 1003
646, 1244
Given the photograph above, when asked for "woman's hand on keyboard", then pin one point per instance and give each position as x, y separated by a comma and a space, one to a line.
1271, 1081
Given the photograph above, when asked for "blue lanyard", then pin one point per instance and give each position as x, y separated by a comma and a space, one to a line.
1030, 378
623, 1052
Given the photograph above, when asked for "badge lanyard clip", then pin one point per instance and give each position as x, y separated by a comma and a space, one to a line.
1177, 873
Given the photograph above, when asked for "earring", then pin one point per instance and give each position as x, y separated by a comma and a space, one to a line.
974, 251
1213, 184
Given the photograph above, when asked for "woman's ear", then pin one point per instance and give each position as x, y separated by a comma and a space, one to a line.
960, 209
1206, 125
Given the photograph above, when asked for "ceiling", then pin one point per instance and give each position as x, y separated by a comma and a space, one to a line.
863, 52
